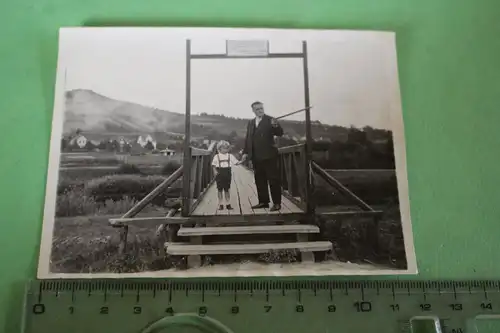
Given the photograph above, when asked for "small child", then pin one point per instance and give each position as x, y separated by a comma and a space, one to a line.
222, 163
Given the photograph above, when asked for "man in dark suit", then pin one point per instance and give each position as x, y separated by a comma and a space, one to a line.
260, 148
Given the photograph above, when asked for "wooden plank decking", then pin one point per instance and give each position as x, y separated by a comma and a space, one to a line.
243, 197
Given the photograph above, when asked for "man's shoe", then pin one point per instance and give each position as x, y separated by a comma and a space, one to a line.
275, 208
261, 205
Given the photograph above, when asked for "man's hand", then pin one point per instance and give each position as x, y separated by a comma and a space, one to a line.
243, 159
274, 122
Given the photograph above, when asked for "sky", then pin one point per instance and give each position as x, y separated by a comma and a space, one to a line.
352, 81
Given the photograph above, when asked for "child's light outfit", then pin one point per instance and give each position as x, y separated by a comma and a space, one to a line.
223, 163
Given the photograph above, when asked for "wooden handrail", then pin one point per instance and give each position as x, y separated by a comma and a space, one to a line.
302, 170
291, 149
293, 166
200, 151
201, 177
339, 187
153, 194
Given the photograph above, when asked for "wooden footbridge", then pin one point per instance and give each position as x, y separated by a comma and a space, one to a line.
195, 227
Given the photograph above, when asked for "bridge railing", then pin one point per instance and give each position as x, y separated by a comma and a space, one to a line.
295, 167
201, 176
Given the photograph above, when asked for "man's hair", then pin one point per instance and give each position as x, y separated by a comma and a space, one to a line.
256, 103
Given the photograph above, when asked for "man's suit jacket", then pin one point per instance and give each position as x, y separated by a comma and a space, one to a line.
259, 141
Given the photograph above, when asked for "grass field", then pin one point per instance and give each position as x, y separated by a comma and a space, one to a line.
88, 244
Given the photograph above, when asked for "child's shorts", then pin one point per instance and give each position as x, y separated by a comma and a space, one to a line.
223, 179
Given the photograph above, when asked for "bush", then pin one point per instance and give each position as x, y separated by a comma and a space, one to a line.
77, 203
128, 169
74, 203
170, 168
85, 174
85, 161
351, 239
67, 184
76, 254
111, 207
115, 187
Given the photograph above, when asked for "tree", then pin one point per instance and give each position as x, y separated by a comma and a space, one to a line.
113, 145
89, 145
64, 143
357, 136
149, 146
127, 148
102, 145
232, 136
161, 146
321, 145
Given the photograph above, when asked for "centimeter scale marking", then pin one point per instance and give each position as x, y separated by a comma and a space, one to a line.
262, 305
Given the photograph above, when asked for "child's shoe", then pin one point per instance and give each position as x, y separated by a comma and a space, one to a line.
229, 207
221, 207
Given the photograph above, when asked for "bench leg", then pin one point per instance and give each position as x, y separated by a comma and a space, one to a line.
307, 257
172, 230
161, 239
122, 247
194, 261
373, 235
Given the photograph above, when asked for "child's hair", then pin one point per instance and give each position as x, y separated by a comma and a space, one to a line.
223, 144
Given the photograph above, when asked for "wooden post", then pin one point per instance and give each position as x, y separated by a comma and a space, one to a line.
122, 247
308, 179
305, 256
374, 234
186, 177
166, 233
194, 261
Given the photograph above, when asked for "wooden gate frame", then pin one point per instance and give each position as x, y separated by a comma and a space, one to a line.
187, 161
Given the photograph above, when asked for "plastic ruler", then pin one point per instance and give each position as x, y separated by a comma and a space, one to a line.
262, 306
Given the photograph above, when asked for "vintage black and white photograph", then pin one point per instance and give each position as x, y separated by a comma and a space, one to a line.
203, 152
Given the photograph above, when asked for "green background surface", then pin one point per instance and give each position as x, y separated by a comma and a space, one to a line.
449, 65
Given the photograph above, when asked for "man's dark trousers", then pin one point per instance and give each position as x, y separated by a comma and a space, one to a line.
266, 173
262, 150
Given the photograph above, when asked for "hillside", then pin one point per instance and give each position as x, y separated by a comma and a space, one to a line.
91, 112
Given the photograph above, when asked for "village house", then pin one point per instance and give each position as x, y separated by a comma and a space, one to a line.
79, 141
168, 152
208, 142
143, 140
